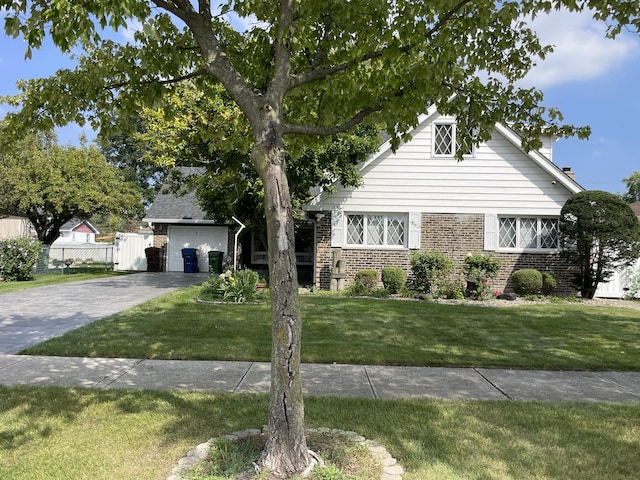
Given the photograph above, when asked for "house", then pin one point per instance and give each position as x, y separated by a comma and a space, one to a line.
178, 222
76, 231
500, 200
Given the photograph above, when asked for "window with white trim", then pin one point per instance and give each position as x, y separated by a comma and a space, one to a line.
380, 230
528, 233
445, 140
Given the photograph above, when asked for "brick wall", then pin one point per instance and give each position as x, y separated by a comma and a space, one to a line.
455, 235
160, 240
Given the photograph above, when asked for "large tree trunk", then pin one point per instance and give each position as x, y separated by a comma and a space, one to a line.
285, 453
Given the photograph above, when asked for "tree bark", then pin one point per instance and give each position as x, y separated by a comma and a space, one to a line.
285, 453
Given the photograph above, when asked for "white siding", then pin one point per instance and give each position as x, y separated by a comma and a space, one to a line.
498, 178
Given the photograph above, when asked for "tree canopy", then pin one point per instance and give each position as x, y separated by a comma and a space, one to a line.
599, 233
633, 188
51, 184
176, 135
122, 150
300, 70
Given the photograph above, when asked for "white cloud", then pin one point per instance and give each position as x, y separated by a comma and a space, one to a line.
581, 50
133, 26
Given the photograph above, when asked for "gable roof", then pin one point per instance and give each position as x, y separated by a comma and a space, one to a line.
635, 206
178, 209
556, 173
76, 223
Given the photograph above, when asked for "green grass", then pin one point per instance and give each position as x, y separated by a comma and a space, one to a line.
73, 434
369, 331
343, 459
41, 280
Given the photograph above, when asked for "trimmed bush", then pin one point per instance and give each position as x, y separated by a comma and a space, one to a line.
430, 269
18, 257
367, 278
393, 279
549, 283
479, 270
527, 281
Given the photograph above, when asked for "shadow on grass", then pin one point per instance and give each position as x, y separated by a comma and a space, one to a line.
32, 413
431, 439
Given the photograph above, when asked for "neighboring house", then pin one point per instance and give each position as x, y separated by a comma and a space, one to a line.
619, 285
11, 227
76, 231
500, 200
178, 222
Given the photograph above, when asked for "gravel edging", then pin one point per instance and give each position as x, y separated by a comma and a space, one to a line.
391, 469
595, 302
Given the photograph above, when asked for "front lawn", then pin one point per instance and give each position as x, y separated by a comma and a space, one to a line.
369, 331
73, 434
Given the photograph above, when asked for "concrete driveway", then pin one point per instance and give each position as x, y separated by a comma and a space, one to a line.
33, 315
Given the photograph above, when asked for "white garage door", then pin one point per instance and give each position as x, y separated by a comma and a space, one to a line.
204, 239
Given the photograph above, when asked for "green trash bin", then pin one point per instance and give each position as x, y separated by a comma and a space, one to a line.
215, 262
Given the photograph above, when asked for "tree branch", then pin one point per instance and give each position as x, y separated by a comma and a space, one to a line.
168, 81
279, 84
319, 130
217, 63
320, 73
204, 7
170, 7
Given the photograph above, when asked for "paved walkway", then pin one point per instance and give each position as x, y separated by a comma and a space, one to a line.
324, 380
31, 316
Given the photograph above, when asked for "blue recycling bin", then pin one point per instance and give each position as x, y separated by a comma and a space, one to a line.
190, 259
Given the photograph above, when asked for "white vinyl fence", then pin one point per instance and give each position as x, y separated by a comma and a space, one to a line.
129, 251
623, 283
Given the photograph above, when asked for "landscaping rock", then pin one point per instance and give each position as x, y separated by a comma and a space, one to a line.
507, 296
391, 469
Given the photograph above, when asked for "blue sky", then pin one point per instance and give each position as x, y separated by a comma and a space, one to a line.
593, 80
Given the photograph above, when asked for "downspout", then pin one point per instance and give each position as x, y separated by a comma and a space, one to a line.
235, 244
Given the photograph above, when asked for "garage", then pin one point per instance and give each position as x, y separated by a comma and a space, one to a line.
202, 238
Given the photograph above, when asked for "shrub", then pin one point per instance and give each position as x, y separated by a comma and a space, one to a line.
18, 257
245, 287
451, 288
367, 278
527, 281
600, 233
237, 287
549, 283
356, 289
393, 279
429, 271
479, 270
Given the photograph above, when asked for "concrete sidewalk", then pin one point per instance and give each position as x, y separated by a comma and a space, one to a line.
324, 380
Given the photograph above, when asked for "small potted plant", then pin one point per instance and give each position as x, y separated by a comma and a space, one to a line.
263, 283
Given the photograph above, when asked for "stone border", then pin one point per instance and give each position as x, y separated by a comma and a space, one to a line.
391, 469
